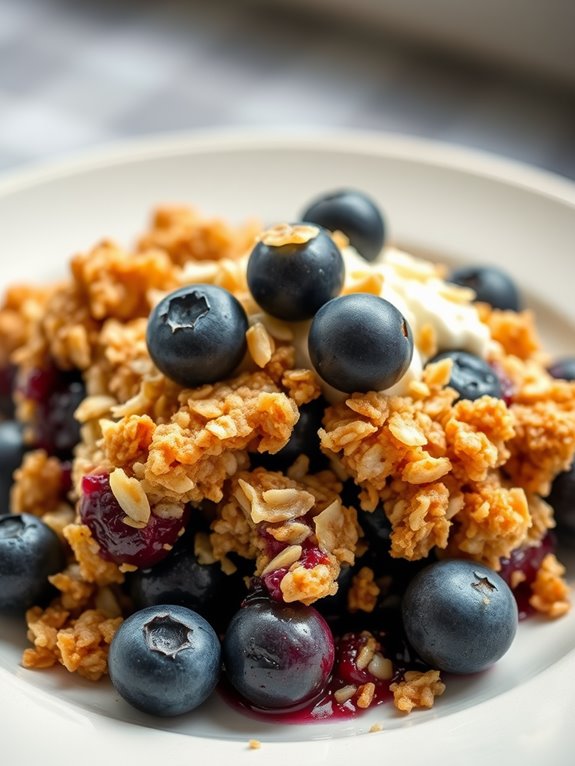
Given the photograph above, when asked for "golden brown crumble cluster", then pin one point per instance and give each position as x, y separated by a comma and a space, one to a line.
465, 478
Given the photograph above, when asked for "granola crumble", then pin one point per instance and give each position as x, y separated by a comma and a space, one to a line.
454, 477
417, 690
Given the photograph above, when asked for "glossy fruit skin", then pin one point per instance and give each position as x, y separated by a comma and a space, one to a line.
11, 455
360, 342
7, 379
471, 376
562, 500
459, 616
29, 552
293, 281
181, 580
563, 368
353, 213
278, 656
196, 334
56, 394
491, 285
165, 660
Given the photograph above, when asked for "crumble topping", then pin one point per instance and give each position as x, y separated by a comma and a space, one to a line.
467, 478
417, 690
550, 591
185, 235
38, 485
262, 505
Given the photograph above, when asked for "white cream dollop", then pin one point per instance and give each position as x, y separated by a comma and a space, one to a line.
415, 288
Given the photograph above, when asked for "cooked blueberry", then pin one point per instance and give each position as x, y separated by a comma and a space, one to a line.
56, 395
304, 440
181, 580
278, 656
353, 213
562, 500
7, 378
490, 284
360, 342
471, 376
563, 368
120, 542
196, 334
295, 269
11, 454
459, 616
165, 660
29, 552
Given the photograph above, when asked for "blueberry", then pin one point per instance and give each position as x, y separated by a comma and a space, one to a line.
278, 656
304, 439
11, 454
353, 213
181, 580
99, 510
491, 285
471, 376
56, 395
562, 500
294, 269
165, 660
7, 380
459, 616
563, 368
29, 552
360, 342
196, 334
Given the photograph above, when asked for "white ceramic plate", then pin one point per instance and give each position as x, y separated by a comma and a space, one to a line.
463, 205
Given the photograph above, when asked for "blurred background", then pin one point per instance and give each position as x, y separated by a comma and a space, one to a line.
497, 75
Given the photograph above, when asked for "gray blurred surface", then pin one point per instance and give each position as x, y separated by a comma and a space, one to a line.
77, 74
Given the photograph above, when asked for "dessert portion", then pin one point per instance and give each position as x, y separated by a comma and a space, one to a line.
342, 461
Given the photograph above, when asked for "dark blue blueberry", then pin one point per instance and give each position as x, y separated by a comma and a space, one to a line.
304, 439
353, 213
165, 660
196, 334
562, 500
7, 379
459, 616
181, 580
490, 284
471, 376
563, 368
29, 552
294, 280
56, 394
11, 454
360, 342
278, 656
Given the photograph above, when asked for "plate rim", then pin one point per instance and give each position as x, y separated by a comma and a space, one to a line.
421, 151
478, 162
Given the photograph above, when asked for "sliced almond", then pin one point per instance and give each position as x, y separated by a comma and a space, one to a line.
284, 559
130, 496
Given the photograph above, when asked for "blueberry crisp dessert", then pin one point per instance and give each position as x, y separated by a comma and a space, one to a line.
291, 465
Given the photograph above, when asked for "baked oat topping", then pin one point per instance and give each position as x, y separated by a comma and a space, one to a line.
454, 477
417, 690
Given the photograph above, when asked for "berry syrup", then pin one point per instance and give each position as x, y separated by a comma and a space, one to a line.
118, 541
346, 673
